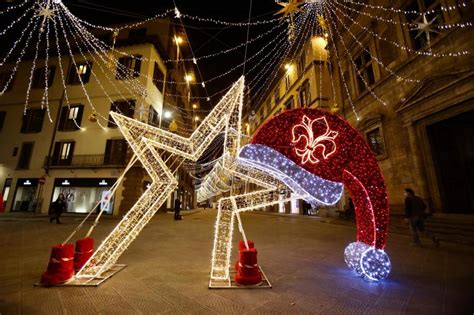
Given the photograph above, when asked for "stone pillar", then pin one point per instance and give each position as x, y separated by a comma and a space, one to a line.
421, 188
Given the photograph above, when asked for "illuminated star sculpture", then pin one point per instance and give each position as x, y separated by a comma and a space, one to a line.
426, 28
146, 141
47, 12
289, 8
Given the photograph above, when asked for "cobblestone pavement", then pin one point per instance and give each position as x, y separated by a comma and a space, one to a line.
169, 263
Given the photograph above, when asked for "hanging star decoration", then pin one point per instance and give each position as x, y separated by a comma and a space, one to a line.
426, 28
322, 23
289, 8
47, 12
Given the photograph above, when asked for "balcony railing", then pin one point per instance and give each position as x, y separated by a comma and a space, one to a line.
86, 161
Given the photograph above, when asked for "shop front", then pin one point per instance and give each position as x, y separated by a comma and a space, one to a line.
24, 199
82, 194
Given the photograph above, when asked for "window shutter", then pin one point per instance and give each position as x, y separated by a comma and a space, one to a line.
62, 119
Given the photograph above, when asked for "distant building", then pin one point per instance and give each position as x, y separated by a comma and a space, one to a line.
40, 159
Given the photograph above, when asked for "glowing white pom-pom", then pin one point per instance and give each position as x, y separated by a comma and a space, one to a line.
353, 254
375, 264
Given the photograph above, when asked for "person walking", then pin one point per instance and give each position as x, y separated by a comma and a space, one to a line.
57, 208
177, 209
415, 217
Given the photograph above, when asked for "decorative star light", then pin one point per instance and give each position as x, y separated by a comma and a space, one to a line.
47, 12
426, 27
289, 8
145, 141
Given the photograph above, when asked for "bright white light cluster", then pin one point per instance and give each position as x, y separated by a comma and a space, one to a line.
366, 260
312, 188
145, 141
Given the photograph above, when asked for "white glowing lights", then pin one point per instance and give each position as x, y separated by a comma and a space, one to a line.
367, 261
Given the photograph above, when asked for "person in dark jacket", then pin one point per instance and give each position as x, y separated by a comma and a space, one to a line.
57, 208
177, 209
415, 217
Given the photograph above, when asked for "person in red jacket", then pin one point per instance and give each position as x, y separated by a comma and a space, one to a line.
415, 217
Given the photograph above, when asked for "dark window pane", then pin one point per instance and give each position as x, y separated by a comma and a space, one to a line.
158, 78
115, 152
68, 115
25, 155
3, 114
33, 120
126, 108
4, 78
128, 67
38, 80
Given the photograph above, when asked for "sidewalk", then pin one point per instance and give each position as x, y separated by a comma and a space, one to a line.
169, 265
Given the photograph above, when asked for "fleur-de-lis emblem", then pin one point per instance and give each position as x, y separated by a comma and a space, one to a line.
312, 137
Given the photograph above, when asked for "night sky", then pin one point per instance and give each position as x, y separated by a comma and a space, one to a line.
205, 38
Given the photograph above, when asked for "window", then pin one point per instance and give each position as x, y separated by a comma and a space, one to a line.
128, 67
6, 189
4, 78
364, 70
159, 78
63, 152
115, 152
137, 33
39, 77
287, 82
80, 72
15, 151
418, 37
125, 107
301, 63
68, 115
3, 114
33, 121
276, 94
305, 94
375, 140
289, 104
25, 155
153, 117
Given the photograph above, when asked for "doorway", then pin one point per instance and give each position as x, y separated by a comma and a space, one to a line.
452, 148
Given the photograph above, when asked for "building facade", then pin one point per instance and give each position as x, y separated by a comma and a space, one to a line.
74, 147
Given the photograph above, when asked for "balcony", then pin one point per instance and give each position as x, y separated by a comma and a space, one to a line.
86, 161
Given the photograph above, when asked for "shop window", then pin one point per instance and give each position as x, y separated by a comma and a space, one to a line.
115, 152
365, 70
159, 78
38, 80
4, 78
63, 153
128, 67
25, 155
125, 107
289, 104
25, 193
33, 121
3, 114
68, 116
305, 94
80, 72
418, 37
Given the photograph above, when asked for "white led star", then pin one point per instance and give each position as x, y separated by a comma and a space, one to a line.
426, 28
145, 141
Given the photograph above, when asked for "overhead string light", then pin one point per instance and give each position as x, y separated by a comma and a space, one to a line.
15, 6
396, 44
395, 10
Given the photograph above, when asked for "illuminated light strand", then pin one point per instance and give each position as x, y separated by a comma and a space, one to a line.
261, 91
140, 135
45, 98
351, 59
372, 56
454, 25
79, 77
30, 80
274, 63
13, 7
226, 23
17, 41
20, 57
391, 9
402, 47
63, 79
77, 34
6, 29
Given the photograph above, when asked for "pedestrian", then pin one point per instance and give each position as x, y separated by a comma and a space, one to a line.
177, 209
350, 210
415, 217
57, 208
